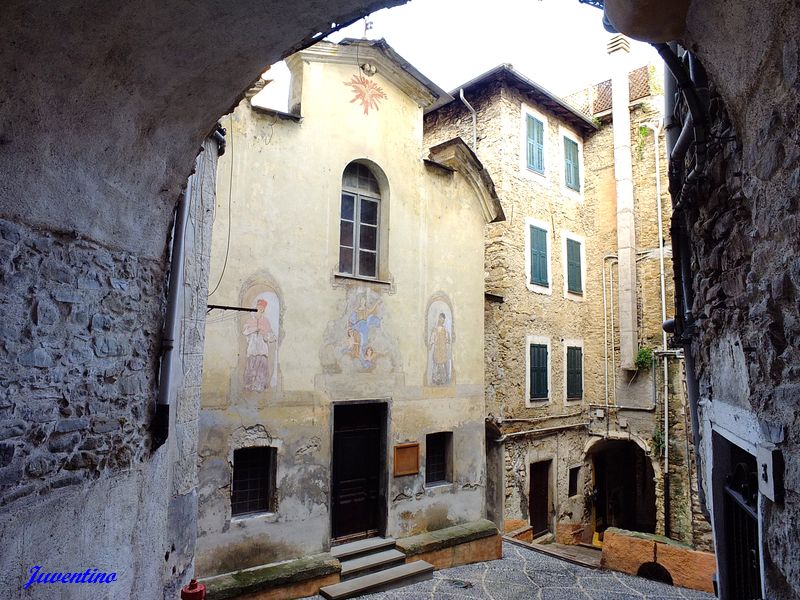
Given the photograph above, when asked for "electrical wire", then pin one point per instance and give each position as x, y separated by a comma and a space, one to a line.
230, 193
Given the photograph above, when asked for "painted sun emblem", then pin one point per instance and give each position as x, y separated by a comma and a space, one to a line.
367, 92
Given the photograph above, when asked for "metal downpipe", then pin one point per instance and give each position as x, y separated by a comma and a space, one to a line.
676, 79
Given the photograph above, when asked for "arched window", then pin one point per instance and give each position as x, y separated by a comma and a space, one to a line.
359, 222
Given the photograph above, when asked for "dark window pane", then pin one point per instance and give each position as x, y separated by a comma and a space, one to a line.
253, 480
366, 263
346, 233
369, 212
350, 176
574, 472
368, 237
437, 457
348, 203
345, 260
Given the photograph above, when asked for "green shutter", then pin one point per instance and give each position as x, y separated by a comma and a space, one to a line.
574, 283
571, 169
574, 372
535, 134
538, 375
538, 243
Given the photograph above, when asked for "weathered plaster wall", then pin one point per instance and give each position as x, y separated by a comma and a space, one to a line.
80, 340
285, 203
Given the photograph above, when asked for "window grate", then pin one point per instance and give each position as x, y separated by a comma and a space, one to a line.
437, 457
253, 480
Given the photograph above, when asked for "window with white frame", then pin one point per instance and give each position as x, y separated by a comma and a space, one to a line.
538, 370
533, 143
534, 129
537, 256
359, 221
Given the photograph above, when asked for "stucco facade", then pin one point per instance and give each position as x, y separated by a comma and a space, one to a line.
616, 403
339, 339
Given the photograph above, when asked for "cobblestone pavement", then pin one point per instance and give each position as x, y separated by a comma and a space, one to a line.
524, 574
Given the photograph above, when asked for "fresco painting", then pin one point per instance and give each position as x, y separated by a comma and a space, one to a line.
261, 332
440, 342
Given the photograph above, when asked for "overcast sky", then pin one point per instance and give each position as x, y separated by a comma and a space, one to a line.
560, 44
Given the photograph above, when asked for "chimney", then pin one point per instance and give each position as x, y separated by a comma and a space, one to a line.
618, 49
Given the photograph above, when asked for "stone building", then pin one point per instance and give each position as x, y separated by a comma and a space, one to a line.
577, 365
357, 375
99, 129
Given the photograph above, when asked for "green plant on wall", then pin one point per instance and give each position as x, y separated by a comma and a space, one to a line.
641, 139
658, 442
644, 358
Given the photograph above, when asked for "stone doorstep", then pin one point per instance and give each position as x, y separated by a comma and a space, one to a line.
476, 541
447, 537
273, 580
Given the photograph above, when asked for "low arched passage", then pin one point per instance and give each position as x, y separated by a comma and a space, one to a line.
624, 486
654, 572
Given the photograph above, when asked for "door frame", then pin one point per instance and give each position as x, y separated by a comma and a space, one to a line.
550, 508
383, 476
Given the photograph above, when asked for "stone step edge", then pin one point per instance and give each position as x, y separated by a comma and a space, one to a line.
375, 581
371, 561
361, 547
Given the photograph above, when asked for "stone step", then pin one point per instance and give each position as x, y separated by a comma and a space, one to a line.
382, 580
361, 547
369, 563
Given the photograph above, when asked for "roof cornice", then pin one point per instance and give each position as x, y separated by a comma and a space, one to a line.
388, 64
456, 155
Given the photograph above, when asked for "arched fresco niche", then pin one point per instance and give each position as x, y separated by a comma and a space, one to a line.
259, 338
439, 338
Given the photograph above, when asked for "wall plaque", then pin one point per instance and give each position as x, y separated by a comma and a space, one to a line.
406, 459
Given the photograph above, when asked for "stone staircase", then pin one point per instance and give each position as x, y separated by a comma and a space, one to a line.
373, 565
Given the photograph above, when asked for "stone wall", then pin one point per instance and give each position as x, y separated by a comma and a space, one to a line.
523, 312
79, 344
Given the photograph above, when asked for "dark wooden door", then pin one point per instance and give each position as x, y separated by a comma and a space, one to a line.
358, 459
538, 498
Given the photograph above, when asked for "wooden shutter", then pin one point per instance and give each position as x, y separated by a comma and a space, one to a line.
574, 372
538, 243
535, 134
571, 170
574, 283
538, 375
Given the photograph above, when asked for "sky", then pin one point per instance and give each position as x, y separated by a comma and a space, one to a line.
560, 44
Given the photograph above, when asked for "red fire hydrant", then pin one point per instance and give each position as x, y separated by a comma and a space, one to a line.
193, 591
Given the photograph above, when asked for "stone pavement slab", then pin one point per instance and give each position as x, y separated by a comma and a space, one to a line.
524, 574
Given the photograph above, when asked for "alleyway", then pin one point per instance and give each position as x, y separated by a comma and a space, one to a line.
528, 575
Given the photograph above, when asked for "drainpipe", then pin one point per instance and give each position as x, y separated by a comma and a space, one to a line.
474, 120
675, 79
605, 325
161, 420
656, 128
506, 436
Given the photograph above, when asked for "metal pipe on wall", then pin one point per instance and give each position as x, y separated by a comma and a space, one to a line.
474, 120
675, 80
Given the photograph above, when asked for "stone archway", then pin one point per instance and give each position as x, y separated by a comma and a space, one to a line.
104, 108
624, 485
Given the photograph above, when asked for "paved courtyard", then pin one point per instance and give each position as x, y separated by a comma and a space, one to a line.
528, 575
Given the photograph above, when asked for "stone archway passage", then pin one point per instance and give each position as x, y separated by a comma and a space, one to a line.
625, 487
